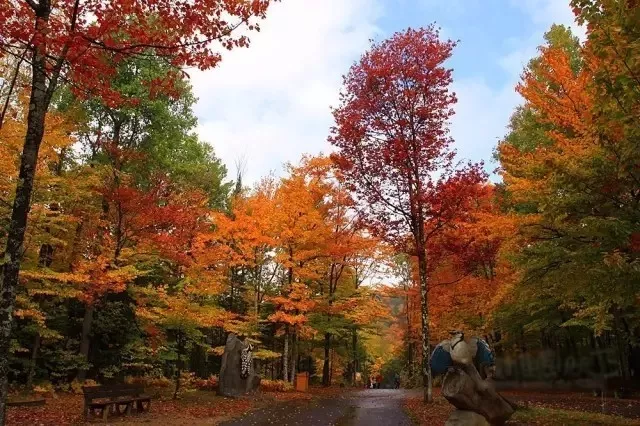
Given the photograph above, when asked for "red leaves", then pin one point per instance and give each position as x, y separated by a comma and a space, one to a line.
392, 134
86, 40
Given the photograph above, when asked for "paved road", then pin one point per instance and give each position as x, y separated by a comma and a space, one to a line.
371, 407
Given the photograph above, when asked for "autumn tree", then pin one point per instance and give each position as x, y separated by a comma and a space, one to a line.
575, 181
302, 229
394, 149
246, 241
63, 41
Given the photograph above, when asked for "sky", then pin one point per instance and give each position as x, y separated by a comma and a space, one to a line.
269, 104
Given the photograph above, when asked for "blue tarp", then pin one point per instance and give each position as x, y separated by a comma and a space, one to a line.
440, 360
484, 356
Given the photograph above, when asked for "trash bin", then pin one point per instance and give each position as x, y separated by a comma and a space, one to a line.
302, 382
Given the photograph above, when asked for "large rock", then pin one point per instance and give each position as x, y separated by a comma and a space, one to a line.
232, 382
466, 418
464, 389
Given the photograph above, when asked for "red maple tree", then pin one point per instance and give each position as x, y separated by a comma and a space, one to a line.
391, 131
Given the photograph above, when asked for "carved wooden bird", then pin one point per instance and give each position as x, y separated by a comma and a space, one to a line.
462, 351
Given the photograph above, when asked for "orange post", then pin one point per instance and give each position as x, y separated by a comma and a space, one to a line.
302, 382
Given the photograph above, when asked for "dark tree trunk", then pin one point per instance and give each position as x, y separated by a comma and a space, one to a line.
294, 354
326, 379
622, 346
424, 302
285, 356
12, 86
409, 331
180, 349
38, 104
354, 343
34, 359
85, 342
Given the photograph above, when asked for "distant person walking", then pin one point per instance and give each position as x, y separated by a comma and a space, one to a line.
397, 381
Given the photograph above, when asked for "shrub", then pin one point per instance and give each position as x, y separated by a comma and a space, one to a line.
44, 389
76, 386
188, 381
275, 386
209, 384
150, 381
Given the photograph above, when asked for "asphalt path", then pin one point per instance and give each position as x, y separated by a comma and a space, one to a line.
369, 407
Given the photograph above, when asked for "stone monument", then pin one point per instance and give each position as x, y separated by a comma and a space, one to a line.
237, 374
468, 368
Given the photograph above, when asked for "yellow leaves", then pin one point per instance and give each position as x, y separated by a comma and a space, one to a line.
285, 318
58, 135
266, 354
292, 307
218, 350
365, 309
616, 258
47, 275
32, 314
564, 103
155, 305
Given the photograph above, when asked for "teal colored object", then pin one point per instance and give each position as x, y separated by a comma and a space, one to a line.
440, 360
484, 355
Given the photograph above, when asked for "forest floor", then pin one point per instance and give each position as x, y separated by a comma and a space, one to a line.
541, 408
192, 408
335, 406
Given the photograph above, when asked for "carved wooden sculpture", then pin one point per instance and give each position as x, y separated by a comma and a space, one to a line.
467, 385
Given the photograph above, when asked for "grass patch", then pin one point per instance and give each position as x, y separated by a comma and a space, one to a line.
550, 416
436, 414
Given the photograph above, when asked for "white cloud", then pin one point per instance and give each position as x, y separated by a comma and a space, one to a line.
483, 112
481, 118
543, 13
270, 103
547, 12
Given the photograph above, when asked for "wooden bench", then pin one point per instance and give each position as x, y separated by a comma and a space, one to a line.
99, 401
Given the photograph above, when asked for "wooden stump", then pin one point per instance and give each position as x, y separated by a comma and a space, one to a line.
464, 389
466, 418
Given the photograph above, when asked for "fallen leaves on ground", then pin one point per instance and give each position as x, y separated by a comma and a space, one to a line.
194, 408
575, 401
540, 409
434, 414
64, 409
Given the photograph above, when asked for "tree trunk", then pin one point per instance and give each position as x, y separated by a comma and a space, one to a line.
426, 350
180, 349
285, 356
622, 346
409, 337
326, 380
34, 359
85, 343
12, 86
38, 105
354, 342
465, 390
294, 354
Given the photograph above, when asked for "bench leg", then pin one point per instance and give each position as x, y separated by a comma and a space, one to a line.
105, 412
140, 406
129, 405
